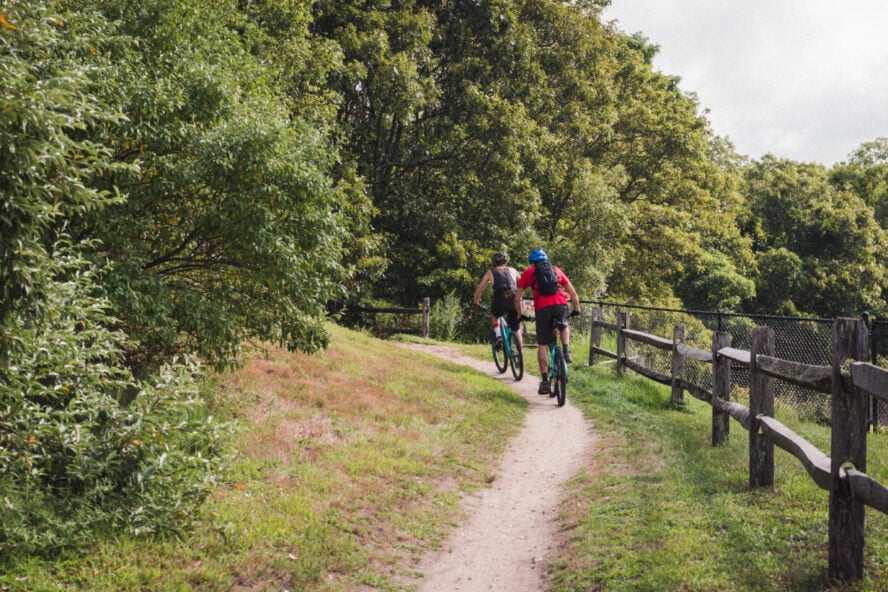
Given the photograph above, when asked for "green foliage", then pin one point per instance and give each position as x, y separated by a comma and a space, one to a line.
83, 447
713, 283
827, 240
445, 317
49, 159
228, 230
866, 174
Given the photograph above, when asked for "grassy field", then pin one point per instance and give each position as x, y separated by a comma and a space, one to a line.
348, 465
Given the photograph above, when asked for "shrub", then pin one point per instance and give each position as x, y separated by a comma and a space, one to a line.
444, 318
83, 446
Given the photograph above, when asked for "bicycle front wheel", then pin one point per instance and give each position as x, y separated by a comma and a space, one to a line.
499, 355
560, 379
516, 359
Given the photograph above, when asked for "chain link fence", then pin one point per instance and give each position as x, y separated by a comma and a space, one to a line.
804, 340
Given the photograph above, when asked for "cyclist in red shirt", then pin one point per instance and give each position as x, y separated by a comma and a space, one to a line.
548, 307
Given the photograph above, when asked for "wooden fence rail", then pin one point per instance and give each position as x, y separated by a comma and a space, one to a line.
423, 310
842, 473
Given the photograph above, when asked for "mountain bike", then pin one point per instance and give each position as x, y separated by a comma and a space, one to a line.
506, 349
557, 364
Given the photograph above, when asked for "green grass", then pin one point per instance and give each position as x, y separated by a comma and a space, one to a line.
349, 466
659, 508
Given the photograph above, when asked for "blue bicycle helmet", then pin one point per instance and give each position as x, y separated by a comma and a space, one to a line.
537, 255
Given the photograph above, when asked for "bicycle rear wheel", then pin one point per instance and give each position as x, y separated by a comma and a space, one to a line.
560, 379
516, 360
499, 354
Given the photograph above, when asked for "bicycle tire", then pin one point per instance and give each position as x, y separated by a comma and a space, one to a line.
516, 360
499, 355
560, 379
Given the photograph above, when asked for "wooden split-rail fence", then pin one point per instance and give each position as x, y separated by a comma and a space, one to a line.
850, 381
404, 313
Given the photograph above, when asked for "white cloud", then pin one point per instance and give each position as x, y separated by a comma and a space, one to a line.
806, 80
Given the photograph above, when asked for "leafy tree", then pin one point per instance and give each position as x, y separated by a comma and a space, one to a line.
279, 34
866, 174
48, 157
779, 277
682, 183
833, 233
714, 284
228, 230
435, 130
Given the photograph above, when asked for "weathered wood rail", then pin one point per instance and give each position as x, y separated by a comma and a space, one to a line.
404, 311
842, 473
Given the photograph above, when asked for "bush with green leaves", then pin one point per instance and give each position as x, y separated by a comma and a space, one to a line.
444, 318
48, 160
228, 230
83, 446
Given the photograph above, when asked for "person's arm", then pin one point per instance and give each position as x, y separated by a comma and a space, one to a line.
573, 295
485, 279
518, 294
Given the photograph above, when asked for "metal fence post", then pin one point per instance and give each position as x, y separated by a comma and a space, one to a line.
425, 316
873, 408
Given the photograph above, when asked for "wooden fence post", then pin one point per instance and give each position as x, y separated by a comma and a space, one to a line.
622, 340
595, 335
761, 402
678, 365
849, 407
425, 316
721, 387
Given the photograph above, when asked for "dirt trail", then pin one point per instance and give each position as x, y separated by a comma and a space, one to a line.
509, 535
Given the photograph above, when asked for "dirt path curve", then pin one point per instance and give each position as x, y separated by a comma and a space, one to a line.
509, 536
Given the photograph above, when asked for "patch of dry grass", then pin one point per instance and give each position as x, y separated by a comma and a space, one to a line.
348, 465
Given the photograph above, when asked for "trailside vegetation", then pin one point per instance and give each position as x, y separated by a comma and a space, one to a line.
180, 177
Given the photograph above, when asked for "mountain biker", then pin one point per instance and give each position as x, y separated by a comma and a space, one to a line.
504, 279
548, 307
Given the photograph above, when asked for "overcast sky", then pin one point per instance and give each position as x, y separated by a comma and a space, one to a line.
802, 79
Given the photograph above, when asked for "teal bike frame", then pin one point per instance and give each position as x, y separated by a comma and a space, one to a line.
557, 364
558, 372
507, 350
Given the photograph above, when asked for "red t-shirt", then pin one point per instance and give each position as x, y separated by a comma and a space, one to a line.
528, 280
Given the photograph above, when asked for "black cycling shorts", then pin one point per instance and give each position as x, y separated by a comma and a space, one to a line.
544, 322
503, 306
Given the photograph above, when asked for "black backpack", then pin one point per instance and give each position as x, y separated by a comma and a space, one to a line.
546, 278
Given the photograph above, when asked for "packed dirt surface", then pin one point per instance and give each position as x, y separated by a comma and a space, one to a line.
509, 536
